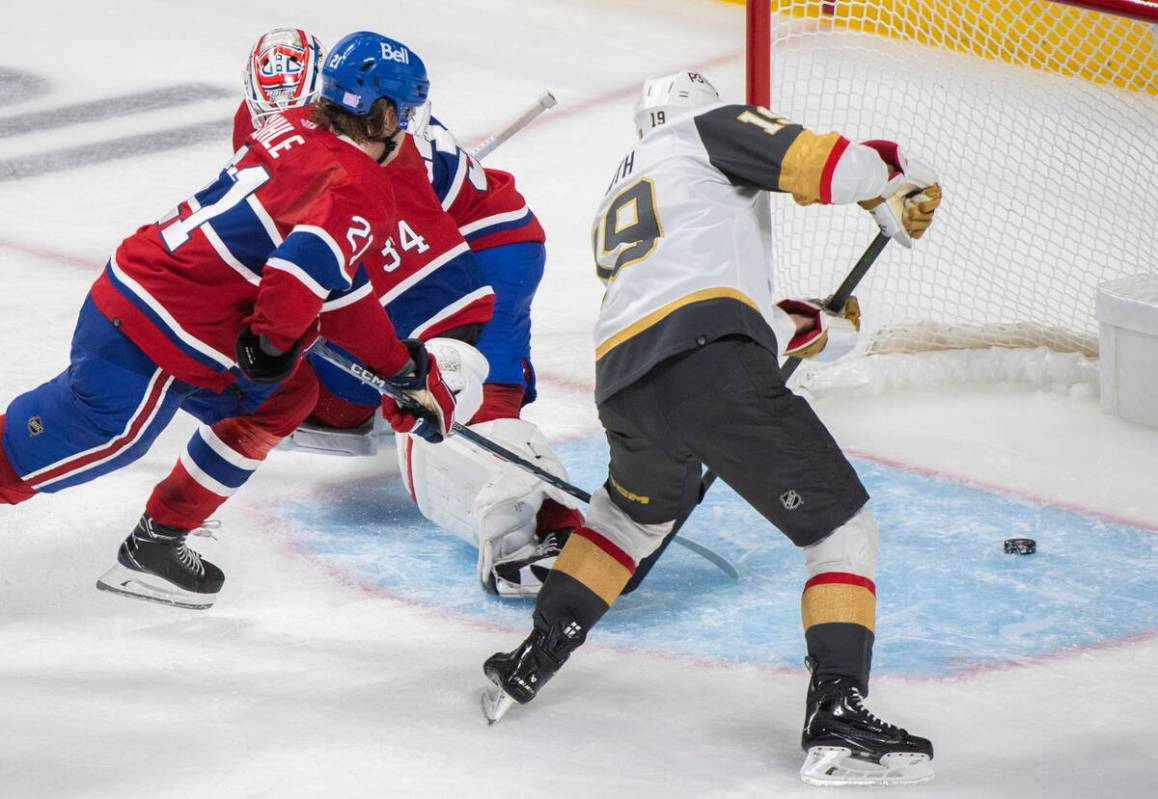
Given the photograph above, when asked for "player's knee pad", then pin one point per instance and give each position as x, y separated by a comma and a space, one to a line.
465, 370
636, 539
850, 548
477, 497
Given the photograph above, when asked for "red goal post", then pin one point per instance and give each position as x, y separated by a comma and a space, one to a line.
1042, 119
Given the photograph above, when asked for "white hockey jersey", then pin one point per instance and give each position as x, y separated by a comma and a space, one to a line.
682, 238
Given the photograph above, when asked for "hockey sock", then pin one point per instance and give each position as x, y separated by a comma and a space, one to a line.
12, 489
500, 401
217, 462
557, 516
838, 610
587, 578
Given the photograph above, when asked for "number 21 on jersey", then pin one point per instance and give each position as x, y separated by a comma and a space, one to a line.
628, 230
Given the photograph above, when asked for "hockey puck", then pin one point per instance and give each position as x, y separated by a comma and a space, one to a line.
1020, 546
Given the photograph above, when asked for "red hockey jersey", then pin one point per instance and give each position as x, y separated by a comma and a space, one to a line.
300, 218
431, 282
489, 210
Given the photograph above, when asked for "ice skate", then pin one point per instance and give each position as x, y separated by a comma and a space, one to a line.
518, 676
154, 564
848, 745
523, 573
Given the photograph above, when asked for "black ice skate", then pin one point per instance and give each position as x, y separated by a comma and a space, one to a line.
518, 676
155, 564
523, 573
848, 745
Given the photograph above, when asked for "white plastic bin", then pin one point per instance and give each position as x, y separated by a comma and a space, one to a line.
1127, 311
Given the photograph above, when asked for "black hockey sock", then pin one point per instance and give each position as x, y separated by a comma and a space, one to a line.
839, 615
587, 578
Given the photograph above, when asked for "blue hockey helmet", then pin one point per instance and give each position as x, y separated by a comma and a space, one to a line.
364, 66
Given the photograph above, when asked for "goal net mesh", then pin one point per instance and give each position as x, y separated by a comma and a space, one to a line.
1042, 120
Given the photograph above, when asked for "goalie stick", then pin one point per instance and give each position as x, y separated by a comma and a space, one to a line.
835, 303
487, 146
322, 349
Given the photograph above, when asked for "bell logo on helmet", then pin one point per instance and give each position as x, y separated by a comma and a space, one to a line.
399, 54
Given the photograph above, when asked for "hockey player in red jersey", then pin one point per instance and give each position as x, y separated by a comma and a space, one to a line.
208, 310
687, 340
435, 291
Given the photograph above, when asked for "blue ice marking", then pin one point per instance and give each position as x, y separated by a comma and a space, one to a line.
949, 599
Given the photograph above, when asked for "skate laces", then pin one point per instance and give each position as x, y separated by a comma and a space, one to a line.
190, 559
857, 701
207, 529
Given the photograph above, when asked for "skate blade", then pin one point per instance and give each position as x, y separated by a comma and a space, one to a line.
834, 765
138, 585
495, 703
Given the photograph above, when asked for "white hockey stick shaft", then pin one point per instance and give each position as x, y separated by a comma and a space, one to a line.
487, 146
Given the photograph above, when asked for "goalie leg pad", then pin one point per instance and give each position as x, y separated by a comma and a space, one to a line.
481, 499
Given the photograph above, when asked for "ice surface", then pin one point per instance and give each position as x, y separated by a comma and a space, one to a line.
328, 668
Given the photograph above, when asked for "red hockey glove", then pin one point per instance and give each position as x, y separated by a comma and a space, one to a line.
429, 409
832, 332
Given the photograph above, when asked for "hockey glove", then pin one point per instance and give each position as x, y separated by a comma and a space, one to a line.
261, 362
833, 332
905, 211
428, 408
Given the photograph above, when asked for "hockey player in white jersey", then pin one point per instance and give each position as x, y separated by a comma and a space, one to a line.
687, 375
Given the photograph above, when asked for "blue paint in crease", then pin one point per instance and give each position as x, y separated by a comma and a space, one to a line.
948, 598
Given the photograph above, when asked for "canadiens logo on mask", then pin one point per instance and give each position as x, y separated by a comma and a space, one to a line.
283, 71
280, 70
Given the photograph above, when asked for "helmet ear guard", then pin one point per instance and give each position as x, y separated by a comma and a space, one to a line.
364, 67
667, 97
283, 71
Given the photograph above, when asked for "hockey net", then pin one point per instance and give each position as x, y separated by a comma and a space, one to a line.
1042, 120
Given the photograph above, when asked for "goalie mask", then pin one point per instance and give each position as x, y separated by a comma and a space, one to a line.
283, 71
670, 96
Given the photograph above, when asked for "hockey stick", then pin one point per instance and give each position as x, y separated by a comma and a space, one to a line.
385, 387
835, 303
487, 146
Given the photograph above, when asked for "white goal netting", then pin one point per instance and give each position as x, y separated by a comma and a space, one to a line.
1042, 120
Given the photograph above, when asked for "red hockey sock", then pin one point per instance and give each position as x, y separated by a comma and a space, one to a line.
13, 490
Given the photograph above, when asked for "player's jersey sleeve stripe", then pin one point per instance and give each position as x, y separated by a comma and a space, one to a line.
451, 193
303, 277
658, 315
829, 169
479, 226
342, 299
477, 297
157, 313
323, 237
318, 261
752, 147
808, 166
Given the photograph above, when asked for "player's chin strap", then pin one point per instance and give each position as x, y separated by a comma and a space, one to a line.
389, 144
385, 387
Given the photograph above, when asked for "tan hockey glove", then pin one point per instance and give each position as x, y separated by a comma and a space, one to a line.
906, 210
